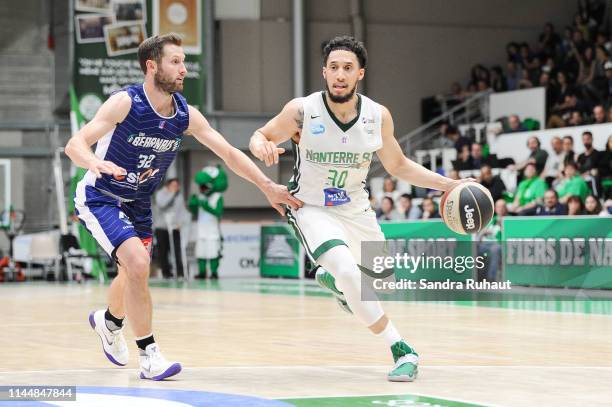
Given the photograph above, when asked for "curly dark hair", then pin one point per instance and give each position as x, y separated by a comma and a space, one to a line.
346, 43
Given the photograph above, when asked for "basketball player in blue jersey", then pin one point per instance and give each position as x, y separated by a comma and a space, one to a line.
335, 134
138, 132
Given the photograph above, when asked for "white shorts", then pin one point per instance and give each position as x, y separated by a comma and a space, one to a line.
208, 248
320, 228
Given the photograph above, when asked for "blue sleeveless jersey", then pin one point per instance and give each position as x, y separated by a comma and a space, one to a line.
145, 144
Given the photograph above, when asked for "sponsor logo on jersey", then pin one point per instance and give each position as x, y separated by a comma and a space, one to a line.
335, 197
344, 140
157, 144
133, 179
137, 99
317, 129
162, 124
365, 120
124, 218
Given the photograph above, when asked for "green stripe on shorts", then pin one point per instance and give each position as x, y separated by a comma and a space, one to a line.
325, 246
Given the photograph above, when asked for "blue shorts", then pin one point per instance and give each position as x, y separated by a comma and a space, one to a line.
111, 221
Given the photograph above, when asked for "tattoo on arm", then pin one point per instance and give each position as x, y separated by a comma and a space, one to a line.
299, 118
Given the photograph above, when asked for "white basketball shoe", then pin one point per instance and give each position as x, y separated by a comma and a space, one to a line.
113, 342
154, 366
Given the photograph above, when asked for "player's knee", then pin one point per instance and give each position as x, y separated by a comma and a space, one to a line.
137, 268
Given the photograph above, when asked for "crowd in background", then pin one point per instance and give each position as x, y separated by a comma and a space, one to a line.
574, 66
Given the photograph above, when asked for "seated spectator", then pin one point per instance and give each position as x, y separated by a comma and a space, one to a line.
599, 115
478, 160
464, 160
592, 206
515, 125
575, 119
490, 241
493, 183
605, 170
551, 206
514, 76
568, 150
390, 189
537, 155
458, 140
554, 162
549, 40
572, 184
588, 162
574, 206
530, 190
498, 80
430, 211
405, 208
386, 211
561, 114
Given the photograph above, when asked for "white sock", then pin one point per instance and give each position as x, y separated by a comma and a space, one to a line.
390, 334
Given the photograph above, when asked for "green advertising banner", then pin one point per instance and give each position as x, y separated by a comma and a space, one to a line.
551, 251
106, 38
424, 239
281, 254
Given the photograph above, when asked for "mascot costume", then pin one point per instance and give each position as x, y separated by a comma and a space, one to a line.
208, 206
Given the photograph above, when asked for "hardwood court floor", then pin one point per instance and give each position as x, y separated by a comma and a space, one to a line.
282, 340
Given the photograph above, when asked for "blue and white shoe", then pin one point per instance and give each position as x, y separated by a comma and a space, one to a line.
154, 366
113, 342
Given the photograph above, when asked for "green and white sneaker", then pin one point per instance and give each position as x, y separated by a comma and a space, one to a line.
406, 363
327, 281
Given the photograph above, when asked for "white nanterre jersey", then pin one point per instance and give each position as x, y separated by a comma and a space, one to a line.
333, 158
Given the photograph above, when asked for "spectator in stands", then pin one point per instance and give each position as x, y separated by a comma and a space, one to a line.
406, 209
575, 118
574, 206
605, 170
493, 183
568, 150
477, 158
561, 114
549, 40
390, 188
607, 89
565, 45
513, 77
572, 184
387, 210
464, 159
490, 241
551, 91
525, 81
586, 70
458, 140
530, 190
599, 70
512, 52
537, 155
588, 162
430, 211
599, 115
592, 206
515, 125
498, 80
551, 206
554, 162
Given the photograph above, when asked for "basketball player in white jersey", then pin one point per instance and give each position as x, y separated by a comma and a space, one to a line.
335, 134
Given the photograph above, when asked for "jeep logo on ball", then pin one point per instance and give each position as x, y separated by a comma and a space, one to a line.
469, 217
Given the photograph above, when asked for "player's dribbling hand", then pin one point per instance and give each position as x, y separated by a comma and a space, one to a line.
278, 195
456, 182
107, 167
267, 151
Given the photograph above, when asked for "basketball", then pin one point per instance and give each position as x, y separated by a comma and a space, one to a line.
467, 208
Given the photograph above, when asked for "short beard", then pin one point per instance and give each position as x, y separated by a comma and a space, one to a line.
340, 99
163, 83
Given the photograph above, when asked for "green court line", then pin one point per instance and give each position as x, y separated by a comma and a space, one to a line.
383, 400
310, 289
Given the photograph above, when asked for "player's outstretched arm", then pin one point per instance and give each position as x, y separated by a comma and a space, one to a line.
78, 148
238, 162
400, 166
282, 127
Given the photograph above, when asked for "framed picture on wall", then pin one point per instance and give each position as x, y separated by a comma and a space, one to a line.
130, 10
183, 17
90, 27
124, 38
100, 6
